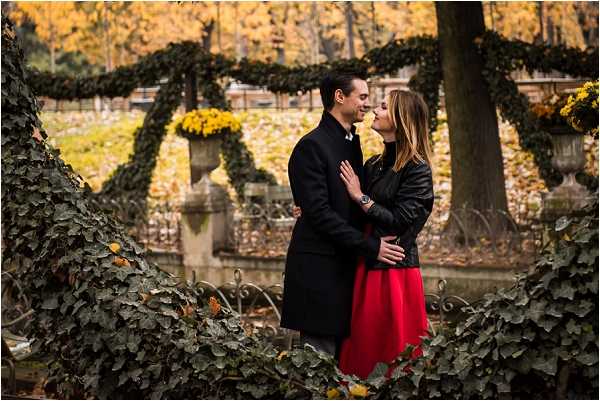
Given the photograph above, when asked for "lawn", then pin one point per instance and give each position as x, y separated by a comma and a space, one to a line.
96, 143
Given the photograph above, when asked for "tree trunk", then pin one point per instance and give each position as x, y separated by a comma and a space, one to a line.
207, 35
539, 37
328, 47
52, 56
549, 31
278, 29
584, 11
362, 33
476, 154
491, 8
236, 32
350, 29
108, 61
52, 40
373, 26
219, 43
314, 17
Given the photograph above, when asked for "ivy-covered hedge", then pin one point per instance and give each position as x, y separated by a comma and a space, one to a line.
501, 57
131, 181
115, 326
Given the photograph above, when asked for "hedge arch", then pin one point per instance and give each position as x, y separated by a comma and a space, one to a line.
99, 305
501, 57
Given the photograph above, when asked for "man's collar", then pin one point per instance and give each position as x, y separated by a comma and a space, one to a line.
332, 122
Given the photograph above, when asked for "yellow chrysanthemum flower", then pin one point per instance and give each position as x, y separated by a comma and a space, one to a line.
206, 122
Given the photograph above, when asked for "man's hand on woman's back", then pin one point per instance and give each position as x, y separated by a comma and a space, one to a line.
390, 253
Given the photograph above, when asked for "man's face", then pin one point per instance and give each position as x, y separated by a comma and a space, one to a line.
354, 106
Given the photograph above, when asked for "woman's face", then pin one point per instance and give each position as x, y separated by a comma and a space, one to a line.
382, 122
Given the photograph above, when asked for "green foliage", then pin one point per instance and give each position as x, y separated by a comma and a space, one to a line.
501, 57
538, 339
99, 306
421, 50
239, 164
114, 326
131, 181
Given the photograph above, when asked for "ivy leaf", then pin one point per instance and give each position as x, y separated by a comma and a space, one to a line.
573, 327
217, 350
588, 358
562, 223
565, 290
119, 362
50, 303
155, 369
547, 365
147, 322
588, 256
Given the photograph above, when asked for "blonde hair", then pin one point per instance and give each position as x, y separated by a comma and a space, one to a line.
409, 115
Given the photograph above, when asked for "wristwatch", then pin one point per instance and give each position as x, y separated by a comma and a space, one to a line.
364, 199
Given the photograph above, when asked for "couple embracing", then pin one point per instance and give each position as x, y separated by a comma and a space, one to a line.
353, 287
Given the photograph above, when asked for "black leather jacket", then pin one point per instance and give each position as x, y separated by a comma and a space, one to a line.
403, 202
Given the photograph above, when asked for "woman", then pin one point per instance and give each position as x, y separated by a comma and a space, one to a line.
388, 310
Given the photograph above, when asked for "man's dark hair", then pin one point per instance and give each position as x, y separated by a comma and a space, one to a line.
333, 81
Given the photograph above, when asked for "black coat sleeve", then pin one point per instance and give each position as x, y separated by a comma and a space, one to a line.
413, 199
308, 177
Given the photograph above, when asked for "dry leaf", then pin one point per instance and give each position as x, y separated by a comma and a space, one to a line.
215, 306
187, 310
145, 297
115, 247
281, 355
121, 262
358, 390
333, 393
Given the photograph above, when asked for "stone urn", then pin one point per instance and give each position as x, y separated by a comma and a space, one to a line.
568, 158
204, 155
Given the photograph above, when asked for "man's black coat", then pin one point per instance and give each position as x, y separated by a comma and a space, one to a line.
328, 237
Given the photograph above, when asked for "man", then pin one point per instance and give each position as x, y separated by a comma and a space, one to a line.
328, 236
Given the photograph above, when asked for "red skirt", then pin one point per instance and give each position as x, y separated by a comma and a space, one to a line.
388, 312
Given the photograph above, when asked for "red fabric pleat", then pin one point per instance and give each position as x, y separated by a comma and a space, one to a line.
388, 312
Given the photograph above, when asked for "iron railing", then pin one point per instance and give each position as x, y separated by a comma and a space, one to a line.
263, 224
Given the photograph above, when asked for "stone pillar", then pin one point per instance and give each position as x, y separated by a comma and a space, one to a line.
206, 211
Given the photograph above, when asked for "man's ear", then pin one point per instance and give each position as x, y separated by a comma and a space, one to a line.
338, 96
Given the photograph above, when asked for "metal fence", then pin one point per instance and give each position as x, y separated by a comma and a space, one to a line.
155, 225
263, 223
260, 307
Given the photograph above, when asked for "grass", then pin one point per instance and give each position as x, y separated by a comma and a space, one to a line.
96, 143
